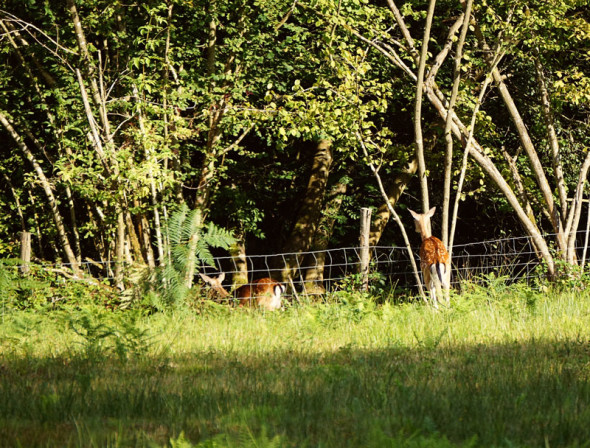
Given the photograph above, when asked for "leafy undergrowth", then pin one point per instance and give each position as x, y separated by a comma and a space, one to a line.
503, 366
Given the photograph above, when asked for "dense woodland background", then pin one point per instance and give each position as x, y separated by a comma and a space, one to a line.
265, 118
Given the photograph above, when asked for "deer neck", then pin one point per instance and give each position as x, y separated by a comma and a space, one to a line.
425, 232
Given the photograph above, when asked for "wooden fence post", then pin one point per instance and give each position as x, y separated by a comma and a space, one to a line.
25, 253
364, 255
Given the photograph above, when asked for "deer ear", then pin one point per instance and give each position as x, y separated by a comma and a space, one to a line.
414, 214
205, 278
221, 277
431, 212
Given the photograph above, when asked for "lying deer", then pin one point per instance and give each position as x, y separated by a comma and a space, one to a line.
264, 293
434, 258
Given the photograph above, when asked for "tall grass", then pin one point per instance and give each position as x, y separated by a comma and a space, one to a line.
504, 366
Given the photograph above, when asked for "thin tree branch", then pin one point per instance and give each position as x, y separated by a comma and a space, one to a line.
419, 139
448, 136
404, 29
395, 216
477, 152
551, 134
237, 141
442, 55
576, 209
470, 138
385, 50
284, 20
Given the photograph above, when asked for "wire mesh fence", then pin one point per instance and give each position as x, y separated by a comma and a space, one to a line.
513, 258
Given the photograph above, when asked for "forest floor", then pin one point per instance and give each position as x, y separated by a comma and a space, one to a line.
503, 366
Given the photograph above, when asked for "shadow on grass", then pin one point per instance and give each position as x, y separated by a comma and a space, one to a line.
533, 394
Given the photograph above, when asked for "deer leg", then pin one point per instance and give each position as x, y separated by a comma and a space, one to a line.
435, 283
428, 281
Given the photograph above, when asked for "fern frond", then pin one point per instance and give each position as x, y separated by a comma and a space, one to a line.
218, 236
192, 225
168, 280
175, 226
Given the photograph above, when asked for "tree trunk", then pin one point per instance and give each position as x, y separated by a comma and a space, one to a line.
394, 192
576, 210
461, 132
146, 240
19, 40
314, 275
40, 251
448, 124
45, 184
528, 146
216, 113
145, 228
75, 232
101, 136
120, 250
536, 165
520, 189
92, 70
395, 216
19, 209
364, 248
551, 136
135, 245
438, 100
303, 232
237, 251
25, 253
465, 159
418, 110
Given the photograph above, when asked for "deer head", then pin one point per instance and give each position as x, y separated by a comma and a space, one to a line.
215, 284
422, 221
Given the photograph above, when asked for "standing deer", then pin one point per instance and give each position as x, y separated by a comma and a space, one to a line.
434, 258
264, 293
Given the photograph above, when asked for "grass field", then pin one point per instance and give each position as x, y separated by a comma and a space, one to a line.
501, 367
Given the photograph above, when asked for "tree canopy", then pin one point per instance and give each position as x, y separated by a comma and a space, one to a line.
264, 116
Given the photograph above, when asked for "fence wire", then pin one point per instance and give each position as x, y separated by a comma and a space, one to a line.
513, 258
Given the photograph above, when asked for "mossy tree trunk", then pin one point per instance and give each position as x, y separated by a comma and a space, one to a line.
314, 275
304, 230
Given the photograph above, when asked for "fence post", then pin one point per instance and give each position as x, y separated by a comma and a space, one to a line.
25, 253
364, 243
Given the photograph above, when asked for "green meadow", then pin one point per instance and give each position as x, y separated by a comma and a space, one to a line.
503, 367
